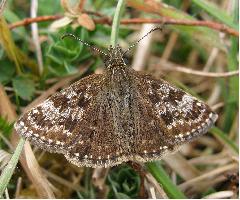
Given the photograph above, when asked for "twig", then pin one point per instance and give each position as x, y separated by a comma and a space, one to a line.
7, 194
156, 185
181, 166
217, 106
170, 45
167, 66
107, 20
211, 59
28, 21
208, 176
152, 193
221, 158
227, 194
18, 188
35, 36
215, 94
62, 181
209, 24
161, 176
99, 176
142, 50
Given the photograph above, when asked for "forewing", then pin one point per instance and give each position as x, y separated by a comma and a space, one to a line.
54, 124
171, 117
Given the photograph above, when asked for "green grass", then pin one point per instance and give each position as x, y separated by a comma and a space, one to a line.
9, 169
216, 12
164, 180
116, 22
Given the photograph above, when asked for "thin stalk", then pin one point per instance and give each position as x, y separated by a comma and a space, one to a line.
9, 169
116, 22
161, 176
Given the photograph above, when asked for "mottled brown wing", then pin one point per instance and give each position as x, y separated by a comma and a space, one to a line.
53, 125
171, 117
77, 122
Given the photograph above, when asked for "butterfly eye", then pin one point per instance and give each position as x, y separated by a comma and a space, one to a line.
126, 60
107, 61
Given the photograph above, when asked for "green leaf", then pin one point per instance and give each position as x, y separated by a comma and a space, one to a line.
63, 55
65, 50
120, 195
62, 69
161, 176
5, 127
44, 8
123, 180
7, 70
24, 87
216, 12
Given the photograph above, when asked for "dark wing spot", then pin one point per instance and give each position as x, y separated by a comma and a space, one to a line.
155, 85
167, 117
60, 101
82, 102
175, 95
154, 98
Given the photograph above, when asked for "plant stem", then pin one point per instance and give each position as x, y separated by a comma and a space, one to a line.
161, 176
116, 22
9, 169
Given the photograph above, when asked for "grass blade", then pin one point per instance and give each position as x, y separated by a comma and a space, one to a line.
116, 22
9, 169
216, 12
232, 94
161, 176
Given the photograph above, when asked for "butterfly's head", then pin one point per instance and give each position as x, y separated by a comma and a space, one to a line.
114, 57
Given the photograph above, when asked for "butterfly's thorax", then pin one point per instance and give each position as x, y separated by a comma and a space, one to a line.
121, 94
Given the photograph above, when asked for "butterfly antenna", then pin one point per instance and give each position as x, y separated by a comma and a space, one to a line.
83, 42
134, 44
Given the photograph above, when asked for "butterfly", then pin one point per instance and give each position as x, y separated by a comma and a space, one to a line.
121, 115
